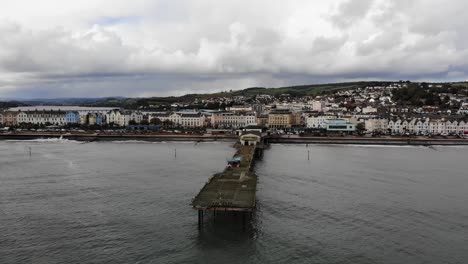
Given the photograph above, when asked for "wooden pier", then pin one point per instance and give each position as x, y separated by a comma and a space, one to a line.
234, 189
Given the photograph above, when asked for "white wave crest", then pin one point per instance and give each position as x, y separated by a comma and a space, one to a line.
47, 140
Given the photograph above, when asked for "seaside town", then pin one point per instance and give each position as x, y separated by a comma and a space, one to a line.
398, 109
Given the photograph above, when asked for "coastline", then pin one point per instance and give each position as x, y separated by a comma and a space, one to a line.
90, 137
396, 141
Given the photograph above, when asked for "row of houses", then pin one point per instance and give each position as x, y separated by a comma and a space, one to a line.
275, 119
395, 125
218, 119
417, 126
62, 118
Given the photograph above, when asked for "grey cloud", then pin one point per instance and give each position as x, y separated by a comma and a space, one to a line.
57, 51
233, 48
351, 11
328, 44
385, 41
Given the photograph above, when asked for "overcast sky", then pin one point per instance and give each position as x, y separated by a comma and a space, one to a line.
95, 48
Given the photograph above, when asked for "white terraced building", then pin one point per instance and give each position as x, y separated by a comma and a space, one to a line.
123, 118
233, 120
42, 117
192, 120
417, 126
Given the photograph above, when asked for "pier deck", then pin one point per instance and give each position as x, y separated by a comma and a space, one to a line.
234, 189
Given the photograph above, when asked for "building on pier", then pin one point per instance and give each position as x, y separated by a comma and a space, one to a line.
250, 138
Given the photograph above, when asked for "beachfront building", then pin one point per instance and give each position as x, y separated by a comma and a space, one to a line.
233, 120
340, 125
438, 127
462, 128
421, 126
113, 117
1, 118
136, 116
72, 117
166, 117
84, 119
192, 120
41, 117
10, 118
395, 126
161, 116
117, 117
22, 118
262, 120
184, 119
280, 119
376, 125
95, 119
124, 119
318, 121
417, 126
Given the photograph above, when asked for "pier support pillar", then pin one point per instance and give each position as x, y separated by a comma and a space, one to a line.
200, 219
243, 221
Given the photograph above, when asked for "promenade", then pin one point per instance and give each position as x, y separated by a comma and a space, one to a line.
285, 139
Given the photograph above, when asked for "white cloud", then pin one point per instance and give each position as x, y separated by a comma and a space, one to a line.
57, 47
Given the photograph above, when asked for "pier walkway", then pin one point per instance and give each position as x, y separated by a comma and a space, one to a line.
234, 189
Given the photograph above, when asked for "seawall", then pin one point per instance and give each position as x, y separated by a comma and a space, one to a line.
211, 138
366, 141
101, 137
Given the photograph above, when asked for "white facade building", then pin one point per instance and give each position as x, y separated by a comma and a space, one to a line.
418, 126
42, 117
191, 120
318, 121
233, 120
369, 109
113, 117
236, 108
318, 106
376, 125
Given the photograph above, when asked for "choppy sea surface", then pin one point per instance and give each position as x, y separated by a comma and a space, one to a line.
129, 202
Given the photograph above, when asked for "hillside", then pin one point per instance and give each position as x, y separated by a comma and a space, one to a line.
293, 91
219, 98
